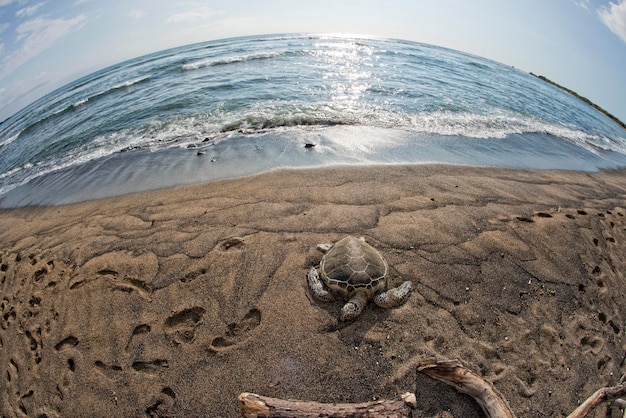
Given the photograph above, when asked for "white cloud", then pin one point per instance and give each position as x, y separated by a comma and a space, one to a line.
583, 3
4, 26
198, 13
5, 2
614, 17
137, 13
30, 10
36, 36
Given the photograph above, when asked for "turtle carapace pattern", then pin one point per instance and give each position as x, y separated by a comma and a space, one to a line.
355, 271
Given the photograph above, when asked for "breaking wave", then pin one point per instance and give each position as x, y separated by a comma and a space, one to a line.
114, 88
231, 60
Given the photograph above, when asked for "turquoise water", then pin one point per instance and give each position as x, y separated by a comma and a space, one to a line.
239, 106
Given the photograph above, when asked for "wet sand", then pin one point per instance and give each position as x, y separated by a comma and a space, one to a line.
171, 303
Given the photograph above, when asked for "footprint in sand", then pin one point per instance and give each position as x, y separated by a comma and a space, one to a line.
605, 319
34, 342
524, 219
12, 371
237, 332
232, 242
4, 265
139, 329
182, 325
127, 284
592, 344
150, 367
616, 329
537, 215
39, 274
163, 403
598, 276
12, 384
189, 277
108, 370
8, 313
543, 215
66, 343
71, 364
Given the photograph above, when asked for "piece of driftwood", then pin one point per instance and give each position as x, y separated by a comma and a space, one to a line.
451, 372
463, 380
492, 402
605, 394
253, 406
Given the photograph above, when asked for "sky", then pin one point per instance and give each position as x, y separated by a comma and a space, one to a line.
581, 44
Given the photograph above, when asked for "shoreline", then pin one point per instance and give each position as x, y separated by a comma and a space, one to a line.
318, 171
143, 170
174, 301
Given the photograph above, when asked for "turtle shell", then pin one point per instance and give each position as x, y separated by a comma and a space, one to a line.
352, 264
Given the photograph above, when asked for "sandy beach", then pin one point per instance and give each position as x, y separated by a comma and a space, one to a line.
172, 302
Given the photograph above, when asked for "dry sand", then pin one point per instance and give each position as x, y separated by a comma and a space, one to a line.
171, 303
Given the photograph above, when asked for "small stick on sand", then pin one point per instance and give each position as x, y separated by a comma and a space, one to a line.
605, 394
253, 406
453, 373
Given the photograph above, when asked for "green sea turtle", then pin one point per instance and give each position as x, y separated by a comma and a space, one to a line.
353, 270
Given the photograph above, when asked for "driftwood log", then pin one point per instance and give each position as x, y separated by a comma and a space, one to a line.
463, 380
451, 372
253, 406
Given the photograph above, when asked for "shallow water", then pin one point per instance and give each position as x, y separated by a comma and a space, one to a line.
240, 106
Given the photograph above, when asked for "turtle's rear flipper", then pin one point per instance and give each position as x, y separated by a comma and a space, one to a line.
394, 297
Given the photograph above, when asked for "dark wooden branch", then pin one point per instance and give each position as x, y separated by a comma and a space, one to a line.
462, 379
256, 406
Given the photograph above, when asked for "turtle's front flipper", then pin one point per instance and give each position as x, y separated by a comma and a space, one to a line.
353, 307
393, 297
317, 287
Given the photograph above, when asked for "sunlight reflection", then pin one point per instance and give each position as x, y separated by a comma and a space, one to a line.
348, 74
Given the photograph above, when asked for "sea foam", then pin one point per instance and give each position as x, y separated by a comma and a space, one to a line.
351, 100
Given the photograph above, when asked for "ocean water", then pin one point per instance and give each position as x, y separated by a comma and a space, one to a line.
234, 107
